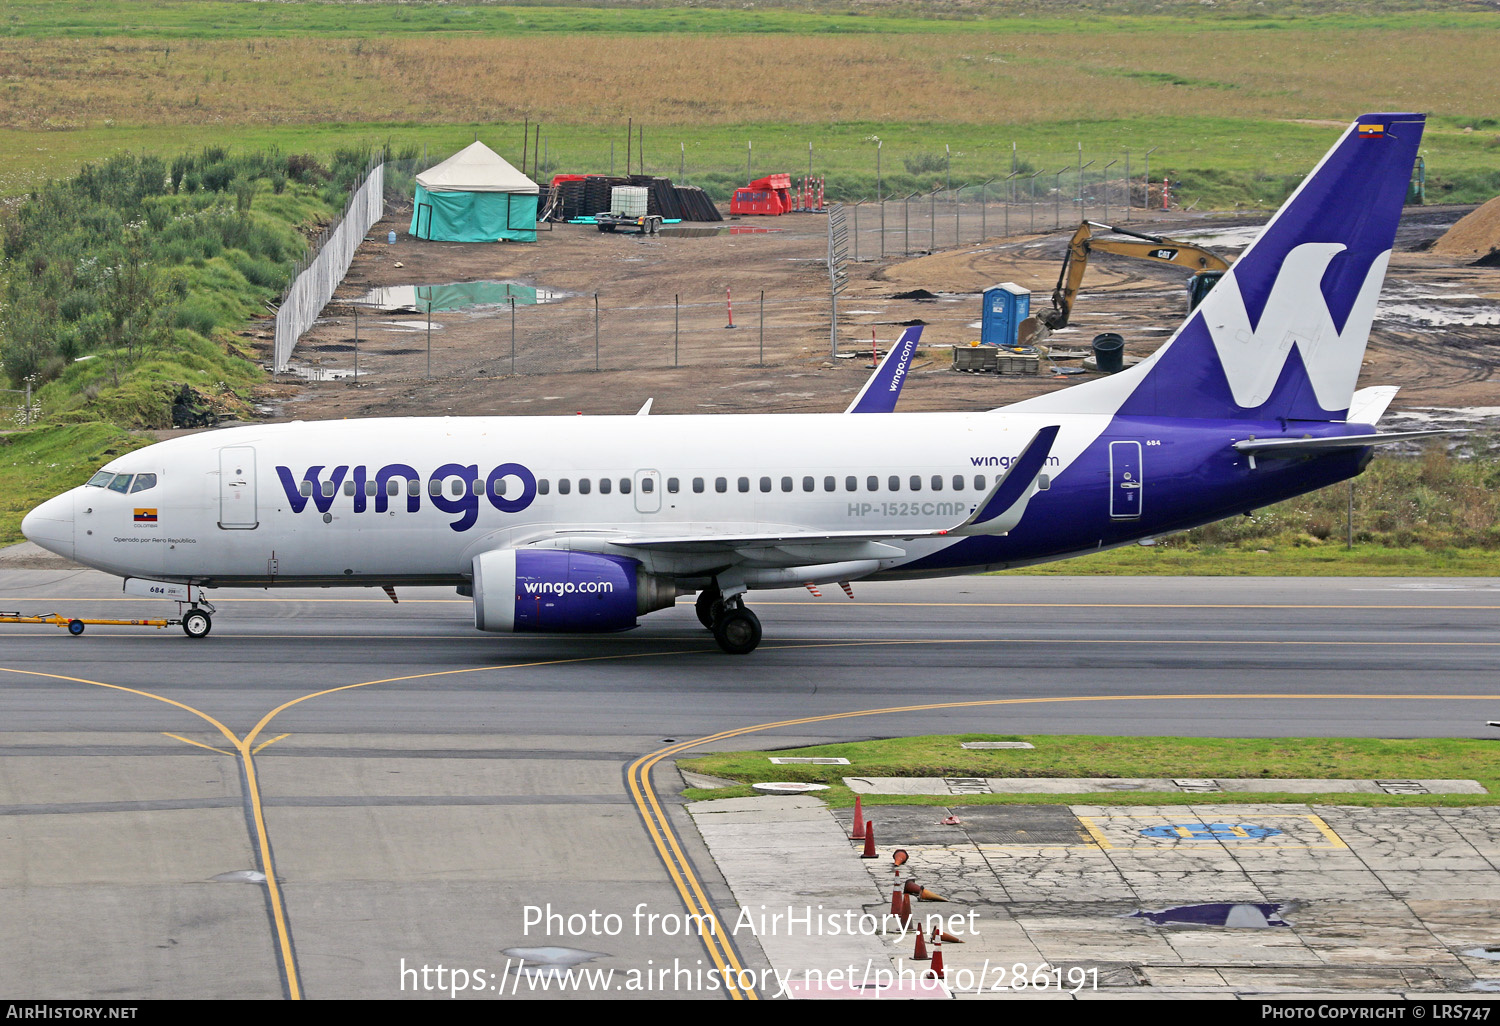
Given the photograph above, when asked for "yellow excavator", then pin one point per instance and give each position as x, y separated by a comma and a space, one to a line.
1207, 267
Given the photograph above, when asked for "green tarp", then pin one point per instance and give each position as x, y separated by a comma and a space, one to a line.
474, 216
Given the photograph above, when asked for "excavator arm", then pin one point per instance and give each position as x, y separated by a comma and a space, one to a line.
1206, 265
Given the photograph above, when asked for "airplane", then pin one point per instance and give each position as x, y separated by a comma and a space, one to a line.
585, 524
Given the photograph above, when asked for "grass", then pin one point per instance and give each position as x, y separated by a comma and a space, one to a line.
40, 462
1114, 757
1255, 91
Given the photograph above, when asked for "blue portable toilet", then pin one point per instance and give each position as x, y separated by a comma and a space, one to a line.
1005, 306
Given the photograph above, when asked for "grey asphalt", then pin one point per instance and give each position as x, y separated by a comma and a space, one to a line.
419, 819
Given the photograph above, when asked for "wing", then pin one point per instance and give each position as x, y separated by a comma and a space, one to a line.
884, 386
715, 547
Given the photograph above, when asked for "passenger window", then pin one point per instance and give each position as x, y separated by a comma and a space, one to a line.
786, 484
327, 489
499, 488
120, 484
872, 483
697, 484
605, 486
851, 484
348, 487
625, 485
916, 483
829, 483
434, 487
647, 484
765, 484
413, 486
721, 484
937, 482
476, 487
563, 486
744, 484
671, 485
142, 482
894, 483
456, 486
584, 486
306, 488
958, 482
979, 482
543, 486
393, 486
101, 479
807, 484
369, 487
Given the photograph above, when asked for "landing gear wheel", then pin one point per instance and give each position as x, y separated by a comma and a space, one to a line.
75, 627
197, 624
707, 606
737, 631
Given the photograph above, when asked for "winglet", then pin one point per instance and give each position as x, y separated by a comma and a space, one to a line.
884, 386
1002, 507
645, 410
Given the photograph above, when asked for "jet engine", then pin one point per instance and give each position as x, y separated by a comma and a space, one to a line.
557, 591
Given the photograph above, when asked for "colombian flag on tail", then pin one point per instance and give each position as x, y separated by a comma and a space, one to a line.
1372, 131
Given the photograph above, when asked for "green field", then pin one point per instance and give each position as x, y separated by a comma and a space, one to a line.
1235, 99
1113, 757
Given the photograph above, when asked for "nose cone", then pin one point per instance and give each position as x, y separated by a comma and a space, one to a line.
50, 525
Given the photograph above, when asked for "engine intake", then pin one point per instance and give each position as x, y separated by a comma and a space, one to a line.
556, 591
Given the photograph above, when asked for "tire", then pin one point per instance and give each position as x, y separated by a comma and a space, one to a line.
197, 624
75, 627
737, 631
708, 599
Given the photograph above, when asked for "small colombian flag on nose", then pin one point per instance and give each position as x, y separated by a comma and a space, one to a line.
1372, 131
145, 516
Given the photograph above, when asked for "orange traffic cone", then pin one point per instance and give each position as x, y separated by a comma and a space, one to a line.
936, 971
869, 852
912, 887
858, 833
920, 954
923, 894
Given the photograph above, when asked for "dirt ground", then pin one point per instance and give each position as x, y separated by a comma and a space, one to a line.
1437, 333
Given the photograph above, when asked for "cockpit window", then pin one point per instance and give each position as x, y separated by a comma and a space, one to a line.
121, 483
142, 482
101, 479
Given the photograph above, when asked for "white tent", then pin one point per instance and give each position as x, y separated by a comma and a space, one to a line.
476, 195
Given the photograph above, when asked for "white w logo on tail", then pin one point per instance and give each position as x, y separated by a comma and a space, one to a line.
1295, 314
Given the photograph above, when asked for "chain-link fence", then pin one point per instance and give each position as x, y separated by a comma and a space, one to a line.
1022, 204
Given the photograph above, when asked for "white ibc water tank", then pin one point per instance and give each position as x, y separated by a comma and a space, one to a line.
628, 200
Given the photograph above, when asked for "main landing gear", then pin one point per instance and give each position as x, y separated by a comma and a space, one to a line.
736, 629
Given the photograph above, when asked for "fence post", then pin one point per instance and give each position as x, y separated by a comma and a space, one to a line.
856, 227
28, 400
596, 331
512, 335
356, 343
763, 322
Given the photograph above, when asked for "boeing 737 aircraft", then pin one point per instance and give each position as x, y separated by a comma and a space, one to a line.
583, 524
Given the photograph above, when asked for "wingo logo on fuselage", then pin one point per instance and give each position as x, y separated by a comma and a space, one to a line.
465, 504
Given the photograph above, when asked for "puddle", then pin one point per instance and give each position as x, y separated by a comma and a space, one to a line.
1437, 317
250, 876
1224, 238
1232, 916
458, 295
1489, 951
309, 373
548, 962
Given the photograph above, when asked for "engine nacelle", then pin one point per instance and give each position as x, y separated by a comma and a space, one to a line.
553, 590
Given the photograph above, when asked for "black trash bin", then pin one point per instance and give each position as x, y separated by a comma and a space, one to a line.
1109, 352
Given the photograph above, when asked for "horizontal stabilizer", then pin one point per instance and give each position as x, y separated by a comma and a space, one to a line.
1290, 445
1368, 405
